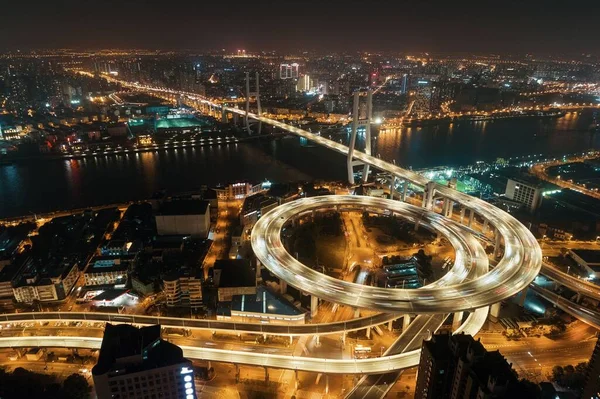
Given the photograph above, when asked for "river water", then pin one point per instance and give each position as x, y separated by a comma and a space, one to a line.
43, 186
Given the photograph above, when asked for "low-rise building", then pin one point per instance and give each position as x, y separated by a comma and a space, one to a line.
234, 277
52, 282
263, 307
184, 288
254, 207
184, 217
240, 190
109, 270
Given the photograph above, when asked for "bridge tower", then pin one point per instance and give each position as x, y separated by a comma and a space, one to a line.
356, 122
255, 94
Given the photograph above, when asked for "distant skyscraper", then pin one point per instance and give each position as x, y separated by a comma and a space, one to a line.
304, 83
592, 382
404, 84
136, 363
288, 71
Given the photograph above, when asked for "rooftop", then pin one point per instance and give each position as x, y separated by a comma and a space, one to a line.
184, 207
264, 301
124, 341
234, 273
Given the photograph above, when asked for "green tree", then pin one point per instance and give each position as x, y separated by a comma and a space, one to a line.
76, 387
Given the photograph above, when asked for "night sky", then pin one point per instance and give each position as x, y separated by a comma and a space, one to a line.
525, 26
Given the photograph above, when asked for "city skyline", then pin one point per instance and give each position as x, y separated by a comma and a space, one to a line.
509, 27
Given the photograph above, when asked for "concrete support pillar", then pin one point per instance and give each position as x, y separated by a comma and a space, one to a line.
578, 297
471, 217
266, 374
495, 311
445, 207
296, 380
523, 296
356, 313
449, 208
457, 320
291, 339
390, 327
392, 186
265, 337
223, 115
314, 305
318, 379
368, 333
405, 322
343, 338
209, 364
430, 196
462, 215
417, 222
283, 286
326, 384
317, 340
497, 246
404, 190
485, 226
237, 373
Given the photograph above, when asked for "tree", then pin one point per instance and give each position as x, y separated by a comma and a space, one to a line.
557, 373
76, 387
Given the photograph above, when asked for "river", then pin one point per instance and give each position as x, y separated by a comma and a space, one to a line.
44, 186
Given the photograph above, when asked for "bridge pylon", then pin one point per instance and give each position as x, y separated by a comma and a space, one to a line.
256, 95
357, 121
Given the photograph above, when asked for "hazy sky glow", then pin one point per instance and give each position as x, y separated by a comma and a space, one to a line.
436, 25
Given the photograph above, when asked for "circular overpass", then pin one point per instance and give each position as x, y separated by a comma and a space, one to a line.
519, 266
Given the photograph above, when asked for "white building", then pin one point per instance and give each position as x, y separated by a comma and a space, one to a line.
527, 193
184, 217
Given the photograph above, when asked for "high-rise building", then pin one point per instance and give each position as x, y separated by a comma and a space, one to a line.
288, 71
591, 389
457, 367
136, 363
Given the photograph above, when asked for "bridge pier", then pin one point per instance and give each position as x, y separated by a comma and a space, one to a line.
404, 190
485, 226
495, 311
266, 374
356, 313
462, 214
318, 340
523, 296
368, 334
314, 305
237, 372
457, 320
296, 380
291, 339
390, 327
343, 338
365, 177
392, 186
405, 322
497, 244
326, 384
471, 217
223, 115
